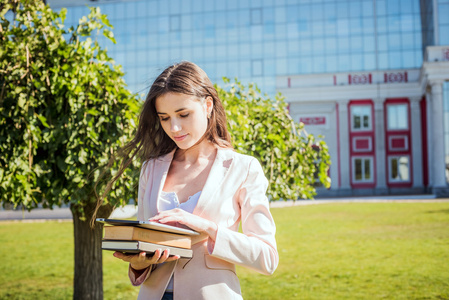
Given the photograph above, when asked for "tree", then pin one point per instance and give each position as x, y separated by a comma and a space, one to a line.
293, 161
64, 111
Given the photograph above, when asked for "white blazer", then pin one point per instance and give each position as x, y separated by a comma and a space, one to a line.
235, 191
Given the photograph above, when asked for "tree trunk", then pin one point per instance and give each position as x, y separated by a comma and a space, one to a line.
88, 277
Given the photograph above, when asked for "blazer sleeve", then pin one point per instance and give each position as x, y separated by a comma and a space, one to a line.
255, 248
138, 277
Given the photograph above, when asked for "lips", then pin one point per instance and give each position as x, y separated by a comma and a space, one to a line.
180, 138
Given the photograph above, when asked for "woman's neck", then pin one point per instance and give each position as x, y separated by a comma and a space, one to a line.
204, 150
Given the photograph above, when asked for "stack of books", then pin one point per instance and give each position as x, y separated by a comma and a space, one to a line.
136, 236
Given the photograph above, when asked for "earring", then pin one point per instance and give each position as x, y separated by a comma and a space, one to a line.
209, 115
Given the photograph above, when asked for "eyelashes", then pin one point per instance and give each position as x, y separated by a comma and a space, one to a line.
182, 116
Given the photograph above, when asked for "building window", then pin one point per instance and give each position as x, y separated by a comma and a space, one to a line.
362, 169
361, 116
399, 168
175, 22
257, 67
397, 116
256, 16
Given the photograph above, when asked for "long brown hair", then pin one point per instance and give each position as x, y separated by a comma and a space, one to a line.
150, 140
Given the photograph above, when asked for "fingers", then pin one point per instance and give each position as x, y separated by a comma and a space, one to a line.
142, 259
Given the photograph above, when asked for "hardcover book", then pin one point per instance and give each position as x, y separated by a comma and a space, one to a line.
147, 235
133, 247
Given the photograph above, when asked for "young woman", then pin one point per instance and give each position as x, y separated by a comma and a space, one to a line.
192, 176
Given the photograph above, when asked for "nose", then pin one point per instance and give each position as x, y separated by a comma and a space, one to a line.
175, 125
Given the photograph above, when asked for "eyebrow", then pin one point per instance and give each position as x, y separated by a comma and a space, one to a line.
178, 110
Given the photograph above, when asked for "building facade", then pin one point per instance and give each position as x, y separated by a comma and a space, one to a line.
371, 76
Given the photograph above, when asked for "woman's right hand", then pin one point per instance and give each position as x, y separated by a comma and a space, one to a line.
141, 261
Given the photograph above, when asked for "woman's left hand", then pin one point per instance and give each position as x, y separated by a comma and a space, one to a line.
194, 222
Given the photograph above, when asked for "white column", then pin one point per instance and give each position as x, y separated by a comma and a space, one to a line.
379, 135
437, 164
429, 116
345, 170
416, 143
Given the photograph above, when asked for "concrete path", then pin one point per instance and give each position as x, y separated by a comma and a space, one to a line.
130, 211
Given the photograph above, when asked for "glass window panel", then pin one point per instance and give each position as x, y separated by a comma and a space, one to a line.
319, 64
399, 168
330, 11
281, 67
395, 60
245, 68
407, 23
317, 11
358, 169
394, 23
304, 65
152, 7
343, 45
293, 66
344, 62
367, 169
269, 49
357, 62
370, 61
269, 67
163, 24
186, 22
305, 47
281, 31
268, 30
407, 41
408, 59
342, 9
268, 15
382, 25
163, 7
368, 26
280, 14
330, 27
355, 9
444, 35
367, 9
175, 23
393, 7
317, 29
361, 117
381, 7
331, 63
304, 12
256, 32
257, 67
443, 13
331, 45
292, 13
369, 43
342, 27
356, 43
245, 50
256, 16
397, 115
394, 42
318, 46
233, 52
293, 47
382, 42
256, 50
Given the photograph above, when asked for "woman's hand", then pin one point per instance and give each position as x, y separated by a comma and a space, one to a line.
141, 261
190, 220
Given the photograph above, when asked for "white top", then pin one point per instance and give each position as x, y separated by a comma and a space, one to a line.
169, 200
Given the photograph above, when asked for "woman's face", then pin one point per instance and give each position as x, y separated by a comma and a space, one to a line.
183, 117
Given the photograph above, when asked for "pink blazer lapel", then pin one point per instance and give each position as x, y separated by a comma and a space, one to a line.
162, 164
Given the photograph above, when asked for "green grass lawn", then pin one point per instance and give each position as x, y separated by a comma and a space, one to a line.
327, 251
